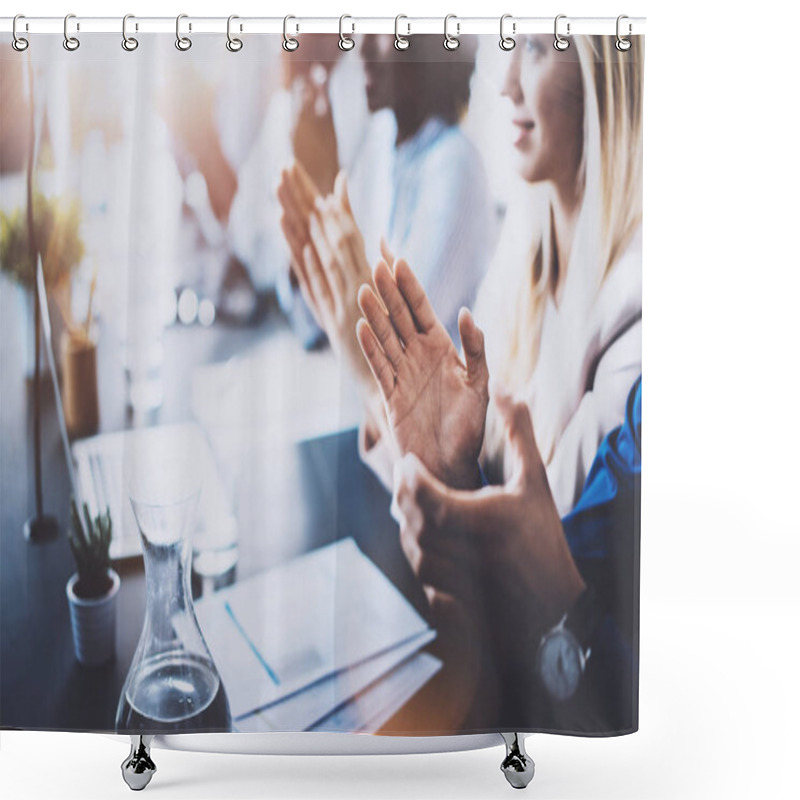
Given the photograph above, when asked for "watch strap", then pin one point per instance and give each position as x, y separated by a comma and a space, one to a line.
581, 619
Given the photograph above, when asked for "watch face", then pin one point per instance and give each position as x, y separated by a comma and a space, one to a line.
561, 664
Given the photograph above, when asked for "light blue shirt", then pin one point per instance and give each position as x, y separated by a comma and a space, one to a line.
441, 218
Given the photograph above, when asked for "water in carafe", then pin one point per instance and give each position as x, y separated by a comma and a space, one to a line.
173, 684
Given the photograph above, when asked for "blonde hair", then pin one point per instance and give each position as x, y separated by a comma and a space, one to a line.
610, 182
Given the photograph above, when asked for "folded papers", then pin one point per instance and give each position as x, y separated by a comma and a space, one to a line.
374, 706
323, 640
362, 698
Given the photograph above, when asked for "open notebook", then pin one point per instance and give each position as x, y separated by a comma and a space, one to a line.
297, 642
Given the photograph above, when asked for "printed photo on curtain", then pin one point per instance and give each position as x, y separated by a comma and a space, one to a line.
321, 383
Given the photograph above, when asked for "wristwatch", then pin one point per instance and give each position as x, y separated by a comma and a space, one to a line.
565, 649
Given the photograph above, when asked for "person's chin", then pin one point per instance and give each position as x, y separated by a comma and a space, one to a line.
527, 168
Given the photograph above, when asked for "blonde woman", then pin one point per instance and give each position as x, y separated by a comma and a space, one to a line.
561, 305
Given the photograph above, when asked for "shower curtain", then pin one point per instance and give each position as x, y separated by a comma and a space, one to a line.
321, 378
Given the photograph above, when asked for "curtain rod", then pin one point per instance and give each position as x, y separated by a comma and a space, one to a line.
631, 26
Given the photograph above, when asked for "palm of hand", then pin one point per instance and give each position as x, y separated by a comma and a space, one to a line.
435, 410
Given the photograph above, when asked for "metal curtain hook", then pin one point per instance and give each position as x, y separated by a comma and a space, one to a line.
233, 44
401, 42
128, 42
560, 43
507, 42
18, 42
290, 44
623, 44
346, 42
451, 42
182, 42
70, 42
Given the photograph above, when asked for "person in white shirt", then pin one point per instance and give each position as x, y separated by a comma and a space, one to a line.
438, 212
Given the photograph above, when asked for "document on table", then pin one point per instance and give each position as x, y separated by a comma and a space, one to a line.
371, 708
281, 631
329, 701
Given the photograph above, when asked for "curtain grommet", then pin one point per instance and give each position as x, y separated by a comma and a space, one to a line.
451, 42
233, 44
401, 42
560, 43
346, 43
290, 43
19, 43
129, 43
507, 42
71, 43
183, 43
623, 44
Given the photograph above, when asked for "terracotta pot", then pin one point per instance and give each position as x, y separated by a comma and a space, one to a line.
94, 622
79, 385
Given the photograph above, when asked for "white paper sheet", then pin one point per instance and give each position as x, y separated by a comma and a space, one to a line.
102, 481
310, 706
281, 631
370, 709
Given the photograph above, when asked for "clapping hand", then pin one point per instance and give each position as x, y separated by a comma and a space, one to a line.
329, 260
512, 532
298, 196
435, 402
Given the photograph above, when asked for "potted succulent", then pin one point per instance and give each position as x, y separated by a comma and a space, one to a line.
93, 589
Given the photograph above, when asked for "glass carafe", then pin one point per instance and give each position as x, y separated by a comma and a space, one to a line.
173, 684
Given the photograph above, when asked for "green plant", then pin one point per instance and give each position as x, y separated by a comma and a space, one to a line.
89, 540
56, 224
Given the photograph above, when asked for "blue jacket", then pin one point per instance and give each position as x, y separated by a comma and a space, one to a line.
603, 532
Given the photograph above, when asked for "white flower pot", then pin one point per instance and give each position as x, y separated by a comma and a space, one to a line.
94, 622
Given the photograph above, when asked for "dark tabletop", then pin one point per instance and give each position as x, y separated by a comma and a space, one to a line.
42, 685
